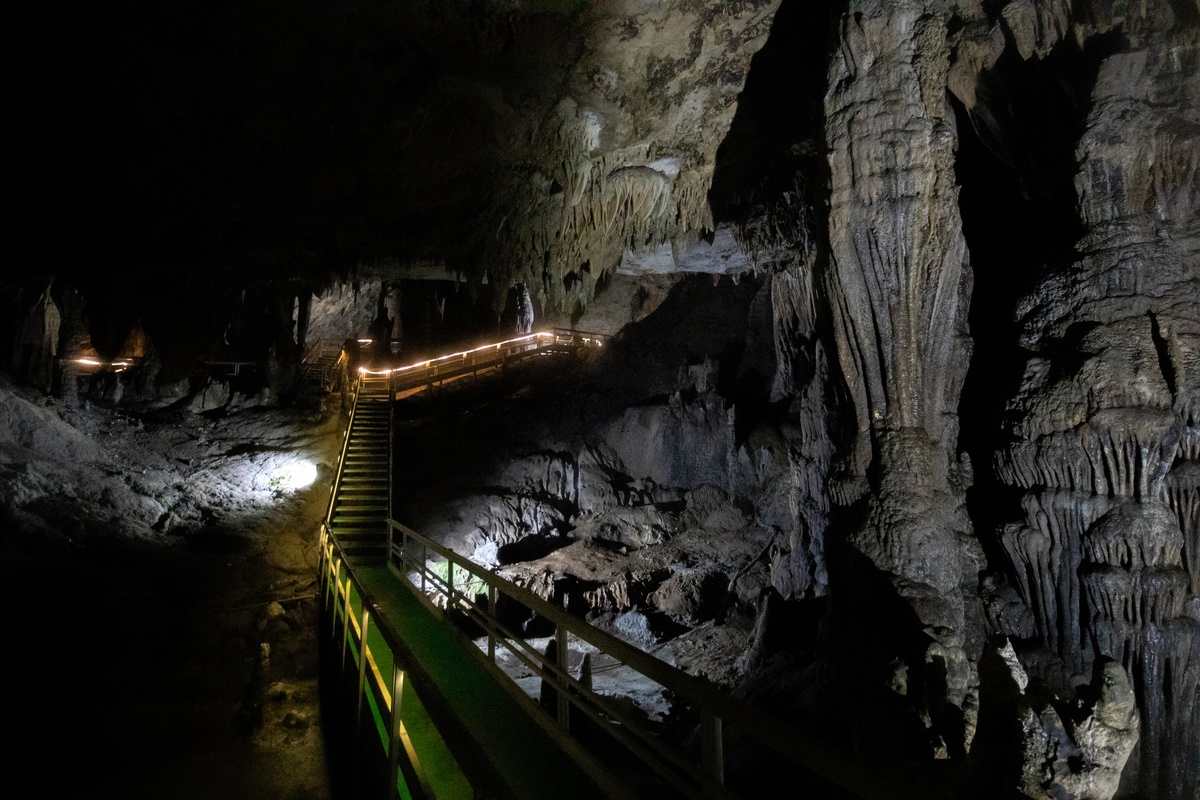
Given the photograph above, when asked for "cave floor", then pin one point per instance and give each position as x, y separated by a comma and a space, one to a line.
164, 660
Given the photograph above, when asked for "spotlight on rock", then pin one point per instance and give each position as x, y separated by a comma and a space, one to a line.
298, 474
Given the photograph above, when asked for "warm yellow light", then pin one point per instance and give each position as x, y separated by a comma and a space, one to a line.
91, 362
425, 365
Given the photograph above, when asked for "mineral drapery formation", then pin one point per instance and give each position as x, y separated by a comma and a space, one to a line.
1104, 427
898, 284
625, 159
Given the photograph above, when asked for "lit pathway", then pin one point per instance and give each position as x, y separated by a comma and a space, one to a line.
461, 727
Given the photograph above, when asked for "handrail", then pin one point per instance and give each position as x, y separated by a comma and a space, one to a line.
668, 764
337, 478
713, 705
333, 560
428, 367
334, 565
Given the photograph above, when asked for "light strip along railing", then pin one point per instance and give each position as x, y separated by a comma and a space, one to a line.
484, 357
410, 552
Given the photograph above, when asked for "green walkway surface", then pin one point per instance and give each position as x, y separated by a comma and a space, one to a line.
522, 755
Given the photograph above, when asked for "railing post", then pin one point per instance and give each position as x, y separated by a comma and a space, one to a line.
345, 622
564, 705
362, 668
394, 743
322, 568
391, 459
403, 551
492, 622
424, 561
712, 747
449, 584
387, 554
337, 577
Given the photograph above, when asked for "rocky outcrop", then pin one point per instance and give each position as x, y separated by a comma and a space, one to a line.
624, 159
1101, 426
35, 322
1077, 758
898, 283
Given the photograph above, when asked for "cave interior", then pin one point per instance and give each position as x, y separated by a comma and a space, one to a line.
896, 433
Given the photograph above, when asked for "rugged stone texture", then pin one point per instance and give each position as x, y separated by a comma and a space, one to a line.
802, 373
1083, 760
1099, 429
35, 330
340, 312
624, 160
898, 281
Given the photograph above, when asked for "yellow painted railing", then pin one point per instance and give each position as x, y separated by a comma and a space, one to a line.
380, 682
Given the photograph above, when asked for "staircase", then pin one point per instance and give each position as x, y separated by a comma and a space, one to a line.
319, 370
448, 716
358, 509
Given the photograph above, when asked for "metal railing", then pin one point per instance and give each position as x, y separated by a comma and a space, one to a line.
694, 775
319, 367
476, 590
341, 464
370, 646
486, 357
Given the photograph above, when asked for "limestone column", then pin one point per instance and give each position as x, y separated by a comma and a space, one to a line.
898, 282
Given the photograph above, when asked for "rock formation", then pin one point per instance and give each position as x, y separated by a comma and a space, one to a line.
898, 289
937, 385
1101, 426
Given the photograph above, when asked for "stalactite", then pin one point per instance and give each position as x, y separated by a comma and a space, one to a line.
1102, 424
1182, 494
802, 373
1047, 558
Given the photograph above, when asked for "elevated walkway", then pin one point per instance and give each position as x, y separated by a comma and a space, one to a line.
439, 713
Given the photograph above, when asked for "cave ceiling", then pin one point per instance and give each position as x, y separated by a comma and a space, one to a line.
184, 142
977, 226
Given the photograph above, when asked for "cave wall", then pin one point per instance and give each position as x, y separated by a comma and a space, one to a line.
1091, 448
928, 508
898, 285
1101, 429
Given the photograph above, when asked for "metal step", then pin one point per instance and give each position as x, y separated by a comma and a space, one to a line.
360, 535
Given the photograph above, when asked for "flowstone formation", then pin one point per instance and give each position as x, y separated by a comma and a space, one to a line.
1104, 429
898, 285
624, 160
871, 344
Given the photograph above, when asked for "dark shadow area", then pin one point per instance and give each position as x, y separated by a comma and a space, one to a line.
778, 131
1016, 167
531, 548
750, 397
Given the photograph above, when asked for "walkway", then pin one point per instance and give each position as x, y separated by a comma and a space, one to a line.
438, 714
